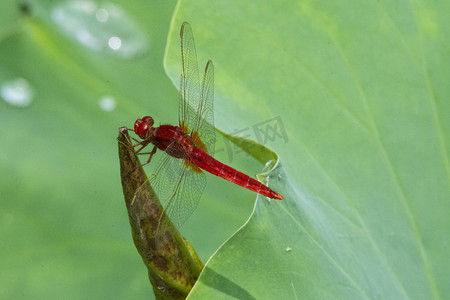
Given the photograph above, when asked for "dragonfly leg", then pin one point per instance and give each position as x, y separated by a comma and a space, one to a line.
151, 154
132, 138
136, 140
143, 145
129, 142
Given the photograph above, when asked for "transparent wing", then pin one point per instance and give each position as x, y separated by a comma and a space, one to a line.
189, 82
178, 188
204, 124
196, 106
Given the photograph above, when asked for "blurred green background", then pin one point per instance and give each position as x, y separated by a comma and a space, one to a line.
357, 93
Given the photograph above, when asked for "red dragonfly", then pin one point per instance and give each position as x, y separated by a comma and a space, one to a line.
178, 179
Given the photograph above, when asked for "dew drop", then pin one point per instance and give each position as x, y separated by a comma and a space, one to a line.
102, 15
102, 27
115, 43
107, 103
17, 92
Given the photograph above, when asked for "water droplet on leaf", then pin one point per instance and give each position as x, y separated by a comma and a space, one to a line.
17, 92
107, 103
102, 27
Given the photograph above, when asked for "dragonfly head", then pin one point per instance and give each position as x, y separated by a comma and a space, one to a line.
142, 127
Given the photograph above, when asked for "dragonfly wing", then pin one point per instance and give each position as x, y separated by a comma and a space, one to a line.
196, 105
189, 82
164, 178
178, 188
181, 205
204, 124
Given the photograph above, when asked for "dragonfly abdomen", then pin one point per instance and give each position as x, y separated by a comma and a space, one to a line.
213, 166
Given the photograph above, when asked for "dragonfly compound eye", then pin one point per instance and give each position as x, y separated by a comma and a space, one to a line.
140, 128
148, 120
